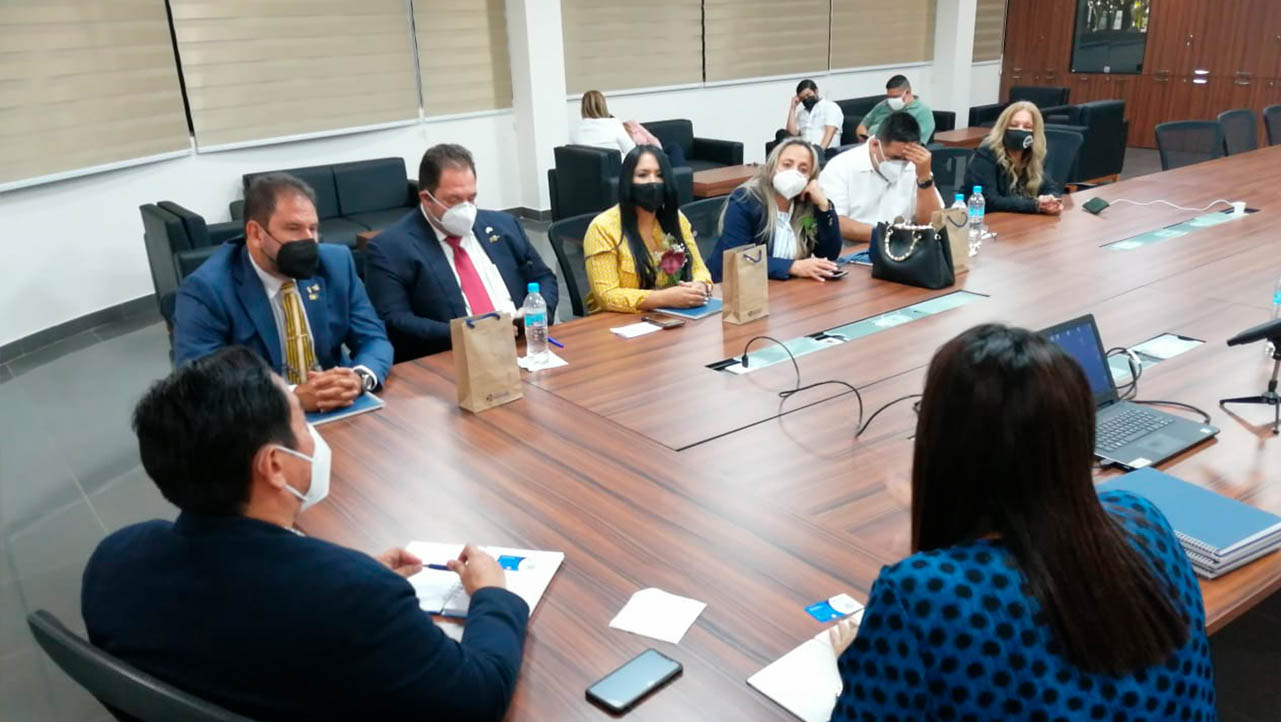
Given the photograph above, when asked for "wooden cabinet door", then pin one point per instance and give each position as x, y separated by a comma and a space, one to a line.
1153, 97
1175, 35
1057, 21
1268, 44
1019, 24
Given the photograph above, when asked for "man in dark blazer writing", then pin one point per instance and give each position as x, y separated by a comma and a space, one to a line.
446, 260
231, 604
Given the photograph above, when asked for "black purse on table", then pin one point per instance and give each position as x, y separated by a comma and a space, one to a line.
911, 254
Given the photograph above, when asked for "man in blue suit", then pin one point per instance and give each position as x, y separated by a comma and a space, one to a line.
447, 260
290, 298
229, 603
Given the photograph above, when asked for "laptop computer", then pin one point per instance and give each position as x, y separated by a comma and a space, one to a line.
1128, 434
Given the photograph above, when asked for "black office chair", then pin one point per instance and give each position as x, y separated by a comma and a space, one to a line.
948, 166
128, 693
705, 220
1240, 130
566, 237
1272, 121
1062, 152
1184, 142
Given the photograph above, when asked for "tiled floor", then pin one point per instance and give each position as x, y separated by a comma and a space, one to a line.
69, 474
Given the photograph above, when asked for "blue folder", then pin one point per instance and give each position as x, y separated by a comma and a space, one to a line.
713, 306
364, 403
1205, 521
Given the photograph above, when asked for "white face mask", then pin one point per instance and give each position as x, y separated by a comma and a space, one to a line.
458, 218
890, 170
896, 104
319, 459
789, 183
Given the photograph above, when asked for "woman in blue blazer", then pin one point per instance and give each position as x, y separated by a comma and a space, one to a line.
783, 207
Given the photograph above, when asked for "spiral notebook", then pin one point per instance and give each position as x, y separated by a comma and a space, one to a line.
1218, 533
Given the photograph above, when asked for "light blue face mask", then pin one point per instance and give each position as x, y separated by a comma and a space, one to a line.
320, 459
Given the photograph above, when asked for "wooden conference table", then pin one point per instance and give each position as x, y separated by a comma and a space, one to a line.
650, 470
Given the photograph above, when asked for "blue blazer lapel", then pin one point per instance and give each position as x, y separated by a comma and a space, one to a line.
512, 275
315, 303
435, 260
254, 300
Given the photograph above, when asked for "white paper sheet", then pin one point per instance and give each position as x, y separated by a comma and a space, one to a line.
1166, 346
632, 330
655, 613
441, 592
805, 681
552, 361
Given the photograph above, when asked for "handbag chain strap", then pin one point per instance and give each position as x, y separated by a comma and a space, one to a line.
916, 240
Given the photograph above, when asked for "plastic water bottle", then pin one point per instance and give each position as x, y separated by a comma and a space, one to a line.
535, 325
1276, 313
959, 201
976, 206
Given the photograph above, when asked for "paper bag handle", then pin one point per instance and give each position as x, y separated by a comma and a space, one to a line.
471, 322
759, 255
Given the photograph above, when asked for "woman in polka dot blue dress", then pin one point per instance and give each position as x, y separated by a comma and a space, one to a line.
1029, 597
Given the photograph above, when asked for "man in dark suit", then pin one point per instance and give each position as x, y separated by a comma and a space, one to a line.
293, 300
447, 260
231, 604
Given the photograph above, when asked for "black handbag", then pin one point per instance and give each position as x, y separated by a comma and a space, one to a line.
911, 254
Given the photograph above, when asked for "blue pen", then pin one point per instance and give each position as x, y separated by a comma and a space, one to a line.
555, 343
438, 567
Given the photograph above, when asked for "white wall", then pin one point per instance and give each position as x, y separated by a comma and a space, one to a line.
985, 85
750, 112
76, 246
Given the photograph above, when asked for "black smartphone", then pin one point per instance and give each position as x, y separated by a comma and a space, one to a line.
838, 275
621, 689
1094, 205
664, 321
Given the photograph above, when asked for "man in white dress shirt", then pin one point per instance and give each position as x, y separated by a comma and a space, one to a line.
812, 117
887, 177
446, 260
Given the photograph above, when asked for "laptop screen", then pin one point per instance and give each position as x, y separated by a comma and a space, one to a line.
1080, 338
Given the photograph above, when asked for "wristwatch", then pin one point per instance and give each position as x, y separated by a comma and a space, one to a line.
922, 184
367, 379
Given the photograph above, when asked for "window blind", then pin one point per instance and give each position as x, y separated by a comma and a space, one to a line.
262, 69
617, 44
85, 84
875, 32
758, 38
989, 30
463, 60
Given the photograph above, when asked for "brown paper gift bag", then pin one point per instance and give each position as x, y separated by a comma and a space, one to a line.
745, 285
956, 222
485, 369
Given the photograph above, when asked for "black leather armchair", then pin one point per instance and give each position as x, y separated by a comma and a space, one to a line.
854, 110
352, 197
943, 120
177, 242
1050, 100
1103, 153
700, 153
585, 180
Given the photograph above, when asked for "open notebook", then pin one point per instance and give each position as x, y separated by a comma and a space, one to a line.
804, 681
441, 592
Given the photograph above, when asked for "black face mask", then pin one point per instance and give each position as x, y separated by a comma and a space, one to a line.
648, 196
297, 259
1017, 139
810, 102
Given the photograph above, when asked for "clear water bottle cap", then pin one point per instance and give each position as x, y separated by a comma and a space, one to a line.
978, 189
531, 288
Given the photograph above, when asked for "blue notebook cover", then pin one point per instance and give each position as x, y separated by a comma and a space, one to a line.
713, 306
1207, 521
363, 403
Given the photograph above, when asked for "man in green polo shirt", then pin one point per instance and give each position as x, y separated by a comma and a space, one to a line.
899, 97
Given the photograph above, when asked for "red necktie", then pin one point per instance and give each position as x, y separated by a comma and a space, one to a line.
469, 279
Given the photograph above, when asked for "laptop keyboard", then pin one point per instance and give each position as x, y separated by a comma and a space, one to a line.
1120, 429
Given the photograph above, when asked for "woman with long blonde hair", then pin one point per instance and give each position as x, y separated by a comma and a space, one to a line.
1010, 164
598, 128
784, 208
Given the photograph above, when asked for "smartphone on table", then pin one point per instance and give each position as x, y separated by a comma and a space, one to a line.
623, 688
663, 321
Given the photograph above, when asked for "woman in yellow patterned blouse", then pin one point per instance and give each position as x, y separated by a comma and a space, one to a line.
641, 253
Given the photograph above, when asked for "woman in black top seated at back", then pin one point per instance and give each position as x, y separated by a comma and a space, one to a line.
1010, 164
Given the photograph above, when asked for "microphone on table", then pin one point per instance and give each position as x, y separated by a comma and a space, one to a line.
1270, 330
